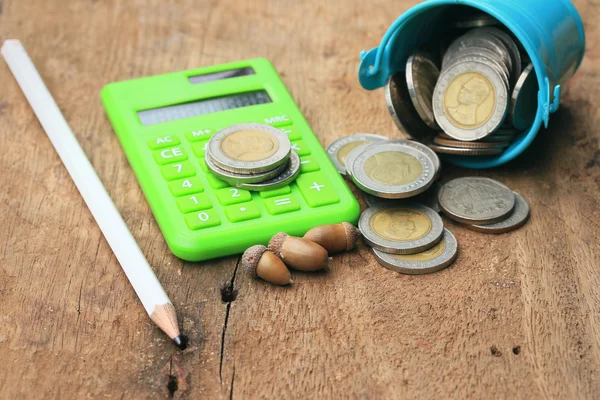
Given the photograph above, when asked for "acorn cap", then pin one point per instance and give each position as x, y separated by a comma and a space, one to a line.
276, 242
352, 235
251, 257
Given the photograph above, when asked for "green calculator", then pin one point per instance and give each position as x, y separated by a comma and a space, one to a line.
164, 123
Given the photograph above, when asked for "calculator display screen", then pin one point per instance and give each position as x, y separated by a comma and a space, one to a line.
202, 107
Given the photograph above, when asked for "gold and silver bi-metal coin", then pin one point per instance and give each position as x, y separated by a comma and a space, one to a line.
392, 170
234, 179
435, 259
289, 175
421, 76
515, 220
408, 228
339, 150
249, 148
476, 200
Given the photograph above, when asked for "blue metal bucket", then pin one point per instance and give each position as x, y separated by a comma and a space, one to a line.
550, 31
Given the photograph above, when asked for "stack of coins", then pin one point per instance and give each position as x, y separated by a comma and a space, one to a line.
252, 157
474, 102
406, 236
483, 205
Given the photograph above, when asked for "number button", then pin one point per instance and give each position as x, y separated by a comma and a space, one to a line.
242, 212
316, 189
199, 149
300, 148
215, 182
229, 196
275, 192
177, 171
193, 203
199, 135
202, 219
186, 186
169, 156
282, 205
308, 164
278, 120
162, 142
291, 133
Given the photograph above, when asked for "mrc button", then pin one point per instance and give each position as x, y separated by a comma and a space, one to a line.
278, 120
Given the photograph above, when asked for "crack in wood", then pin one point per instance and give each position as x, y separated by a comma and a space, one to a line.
231, 287
233, 379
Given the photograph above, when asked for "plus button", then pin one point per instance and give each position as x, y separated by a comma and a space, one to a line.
317, 187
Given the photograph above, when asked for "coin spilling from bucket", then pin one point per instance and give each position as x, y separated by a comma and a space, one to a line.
253, 157
476, 100
402, 224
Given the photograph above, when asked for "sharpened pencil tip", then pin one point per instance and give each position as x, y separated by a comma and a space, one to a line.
181, 341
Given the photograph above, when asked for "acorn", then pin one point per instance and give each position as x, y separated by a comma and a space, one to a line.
299, 253
259, 261
334, 238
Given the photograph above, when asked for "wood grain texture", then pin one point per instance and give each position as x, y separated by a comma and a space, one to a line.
71, 326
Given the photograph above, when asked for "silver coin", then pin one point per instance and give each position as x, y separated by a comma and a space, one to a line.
466, 152
407, 228
338, 151
288, 176
233, 179
430, 153
492, 138
524, 102
421, 77
511, 46
470, 145
402, 110
489, 42
392, 170
517, 219
476, 200
459, 118
251, 147
474, 19
435, 259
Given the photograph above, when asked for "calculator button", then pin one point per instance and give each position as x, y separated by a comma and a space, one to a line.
278, 120
199, 149
215, 182
229, 196
195, 202
203, 165
282, 205
316, 189
308, 164
199, 135
178, 171
186, 186
161, 142
300, 148
291, 132
168, 156
242, 212
276, 192
202, 219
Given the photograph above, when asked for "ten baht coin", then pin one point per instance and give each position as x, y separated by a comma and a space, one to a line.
249, 148
476, 200
466, 152
392, 170
421, 77
428, 152
511, 46
428, 198
408, 228
517, 219
470, 145
288, 176
470, 100
435, 259
402, 110
233, 179
339, 150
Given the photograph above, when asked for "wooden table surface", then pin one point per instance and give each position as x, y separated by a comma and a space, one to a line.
517, 315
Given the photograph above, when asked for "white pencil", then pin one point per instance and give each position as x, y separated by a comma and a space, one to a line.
132, 260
